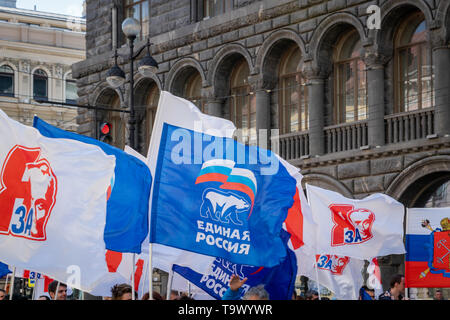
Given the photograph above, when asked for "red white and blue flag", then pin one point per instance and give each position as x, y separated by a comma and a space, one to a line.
427, 262
199, 205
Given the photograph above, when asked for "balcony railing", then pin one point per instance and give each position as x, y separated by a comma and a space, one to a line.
293, 145
346, 136
409, 126
351, 136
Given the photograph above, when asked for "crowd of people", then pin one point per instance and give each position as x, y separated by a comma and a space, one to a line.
124, 291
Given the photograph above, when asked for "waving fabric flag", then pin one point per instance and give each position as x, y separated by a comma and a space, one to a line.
279, 281
361, 229
127, 214
53, 195
4, 270
374, 279
427, 262
341, 275
213, 195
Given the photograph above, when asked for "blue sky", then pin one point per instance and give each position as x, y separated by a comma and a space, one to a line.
69, 7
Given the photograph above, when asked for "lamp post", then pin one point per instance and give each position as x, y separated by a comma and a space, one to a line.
116, 77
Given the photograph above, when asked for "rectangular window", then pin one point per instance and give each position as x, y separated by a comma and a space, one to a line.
139, 10
205, 9
6, 84
71, 91
40, 87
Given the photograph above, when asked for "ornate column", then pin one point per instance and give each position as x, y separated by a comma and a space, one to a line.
316, 105
441, 66
261, 99
375, 63
214, 106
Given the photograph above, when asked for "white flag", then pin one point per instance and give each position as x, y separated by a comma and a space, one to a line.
361, 229
341, 275
53, 195
121, 264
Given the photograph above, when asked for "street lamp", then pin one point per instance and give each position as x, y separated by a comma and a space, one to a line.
147, 66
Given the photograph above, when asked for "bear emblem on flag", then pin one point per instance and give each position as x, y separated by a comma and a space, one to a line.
235, 196
28, 189
351, 226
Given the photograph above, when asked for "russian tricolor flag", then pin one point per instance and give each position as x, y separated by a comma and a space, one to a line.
427, 262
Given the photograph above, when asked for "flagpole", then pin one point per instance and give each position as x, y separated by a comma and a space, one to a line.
34, 291
407, 225
6, 281
133, 294
142, 287
169, 285
150, 272
189, 289
11, 288
317, 281
56, 292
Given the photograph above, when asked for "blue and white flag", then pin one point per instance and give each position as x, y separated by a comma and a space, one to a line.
278, 281
4, 270
127, 208
213, 195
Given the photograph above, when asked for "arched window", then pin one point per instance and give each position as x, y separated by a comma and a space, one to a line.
242, 108
71, 90
293, 107
350, 80
152, 106
6, 81
193, 90
40, 85
414, 73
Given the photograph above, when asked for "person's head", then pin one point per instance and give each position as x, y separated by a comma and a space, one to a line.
43, 298
398, 283
62, 290
438, 295
312, 295
256, 293
2, 294
174, 295
365, 293
156, 296
121, 292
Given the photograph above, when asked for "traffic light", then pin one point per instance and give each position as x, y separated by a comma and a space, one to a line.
105, 132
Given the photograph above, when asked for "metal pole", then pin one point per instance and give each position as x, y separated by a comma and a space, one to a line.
11, 288
132, 121
133, 293
56, 292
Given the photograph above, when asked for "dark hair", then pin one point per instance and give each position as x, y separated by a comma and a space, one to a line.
46, 297
3, 291
52, 286
156, 296
396, 278
184, 297
119, 290
366, 288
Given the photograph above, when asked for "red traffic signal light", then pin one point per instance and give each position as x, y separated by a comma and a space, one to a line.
105, 128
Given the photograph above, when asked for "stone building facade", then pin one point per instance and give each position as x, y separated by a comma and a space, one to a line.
359, 110
37, 50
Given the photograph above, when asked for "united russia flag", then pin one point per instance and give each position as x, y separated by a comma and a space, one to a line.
213, 195
427, 262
